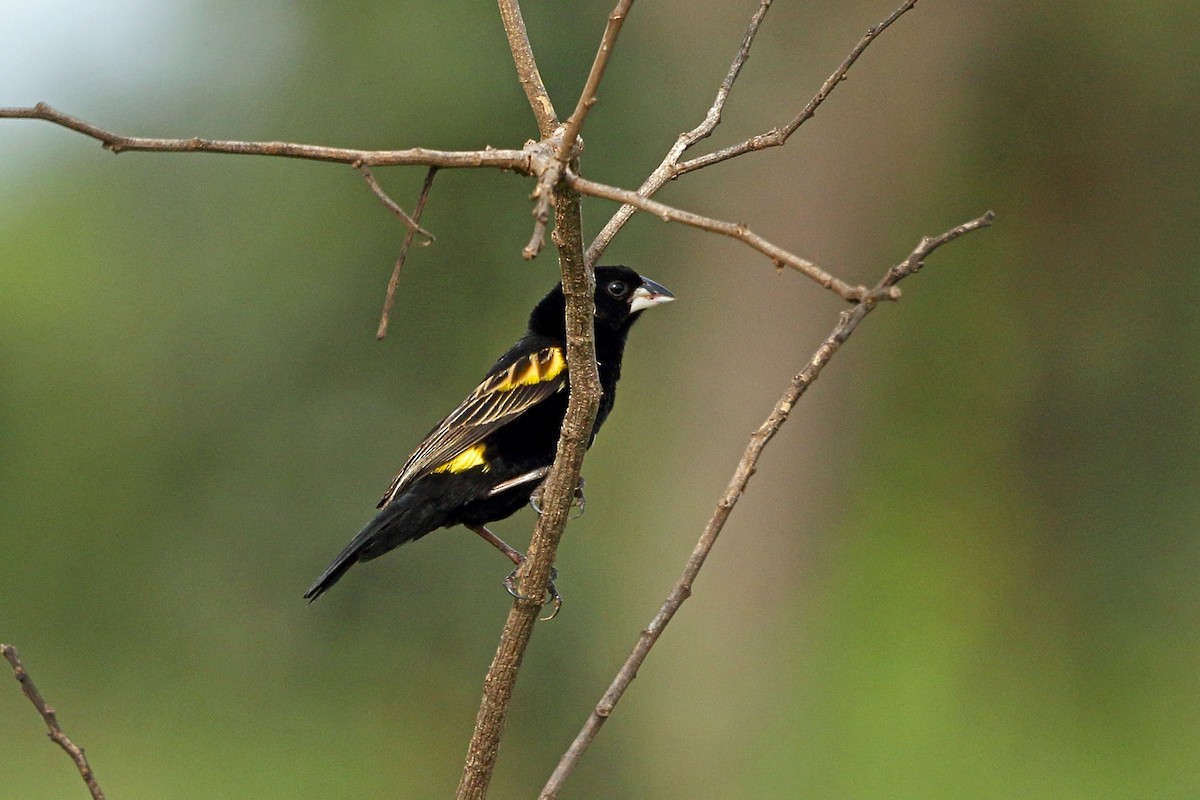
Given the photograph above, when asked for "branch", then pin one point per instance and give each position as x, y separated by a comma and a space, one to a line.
515, 160
671, 168
527, 69
394, 207
390, 299
682, 589
54, 731
778, 136
558, 490
567, 145
557, 498
735, 230
666, 170
587, 98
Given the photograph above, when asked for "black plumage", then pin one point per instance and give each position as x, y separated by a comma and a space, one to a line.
486, 458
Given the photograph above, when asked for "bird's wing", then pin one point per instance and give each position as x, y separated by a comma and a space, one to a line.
454, 445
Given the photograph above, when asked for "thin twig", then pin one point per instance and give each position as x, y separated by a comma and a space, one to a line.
734, 230
682, 589
558, 495
778, 136
393, 206
515, 160
390, 299
588, 98
666, 170
527, 68
53, 730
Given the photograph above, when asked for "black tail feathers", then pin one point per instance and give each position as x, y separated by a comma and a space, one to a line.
404, 519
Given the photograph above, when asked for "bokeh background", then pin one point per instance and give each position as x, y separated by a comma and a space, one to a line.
966, 568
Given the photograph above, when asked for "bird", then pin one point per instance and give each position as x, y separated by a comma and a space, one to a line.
488, 458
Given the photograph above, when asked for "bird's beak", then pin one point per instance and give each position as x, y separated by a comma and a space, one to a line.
649, 294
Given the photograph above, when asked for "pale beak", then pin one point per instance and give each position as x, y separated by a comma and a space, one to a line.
649, 294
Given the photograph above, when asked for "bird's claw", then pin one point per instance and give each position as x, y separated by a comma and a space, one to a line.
535, 499
552, 595
580, 500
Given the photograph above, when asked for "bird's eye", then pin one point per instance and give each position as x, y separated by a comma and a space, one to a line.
618, 288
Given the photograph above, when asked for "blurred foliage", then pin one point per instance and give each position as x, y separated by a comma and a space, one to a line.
966, 567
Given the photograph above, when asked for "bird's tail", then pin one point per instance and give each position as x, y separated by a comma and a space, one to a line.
402, 520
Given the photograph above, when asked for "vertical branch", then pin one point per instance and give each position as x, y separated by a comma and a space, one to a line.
557, 498
53, 730
527, 68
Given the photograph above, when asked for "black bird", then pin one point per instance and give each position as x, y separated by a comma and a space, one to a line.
485, 460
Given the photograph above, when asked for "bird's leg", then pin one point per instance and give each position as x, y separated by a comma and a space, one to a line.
510, 583
495, 541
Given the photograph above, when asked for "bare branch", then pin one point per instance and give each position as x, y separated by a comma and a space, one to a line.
527, 69
682, 589
515, 160
666, 170
587, 98
54, 731
735, 230
558, 493
778, 136
393, 206
390, 299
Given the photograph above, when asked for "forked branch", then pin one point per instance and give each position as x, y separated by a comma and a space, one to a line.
671, 168
779, 136
847, 322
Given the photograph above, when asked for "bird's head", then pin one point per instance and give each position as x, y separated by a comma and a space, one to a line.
622, 295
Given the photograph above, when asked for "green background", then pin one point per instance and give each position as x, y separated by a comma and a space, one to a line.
966, 568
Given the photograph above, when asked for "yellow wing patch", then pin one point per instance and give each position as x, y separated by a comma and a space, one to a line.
467, 459
545, 365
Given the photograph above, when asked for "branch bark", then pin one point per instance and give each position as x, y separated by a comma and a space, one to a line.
515, 160
665, 171
527, 68
672, 168
558, 490
779, 136
390, 298
735, 230
54, 731
682, 590
557, 498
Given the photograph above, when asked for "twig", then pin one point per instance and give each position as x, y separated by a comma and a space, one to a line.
587, 98
778, 136
666, 170
527, 68
390, 299
54, 731
515, 160
566, 140
682, 589
734, 230
393, 206
557, 499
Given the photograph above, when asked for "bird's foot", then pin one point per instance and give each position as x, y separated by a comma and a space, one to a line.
535, 499
551, 596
